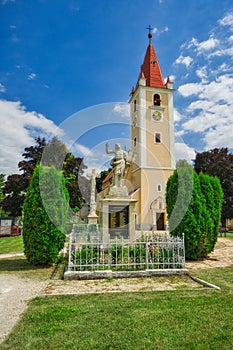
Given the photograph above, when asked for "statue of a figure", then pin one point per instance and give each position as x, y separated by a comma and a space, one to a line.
118, 164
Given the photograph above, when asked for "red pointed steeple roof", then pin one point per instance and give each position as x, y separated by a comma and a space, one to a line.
150, 69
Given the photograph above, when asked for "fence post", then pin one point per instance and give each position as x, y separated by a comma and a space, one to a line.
147, 264
183, 265
109, 253
70, 247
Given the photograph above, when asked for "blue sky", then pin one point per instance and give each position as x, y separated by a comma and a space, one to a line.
61, 57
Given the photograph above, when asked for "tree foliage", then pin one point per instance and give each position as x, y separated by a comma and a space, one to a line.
16, 185
2, 183
14, 192
219, 162
194, 208
45, 216
100, 179
56, 154
53, 153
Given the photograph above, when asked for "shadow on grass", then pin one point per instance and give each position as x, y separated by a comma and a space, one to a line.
19, 266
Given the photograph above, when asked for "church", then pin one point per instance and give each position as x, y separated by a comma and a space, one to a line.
152, 142
152, 145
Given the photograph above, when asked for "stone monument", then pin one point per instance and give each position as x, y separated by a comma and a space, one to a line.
92, 216
117, 210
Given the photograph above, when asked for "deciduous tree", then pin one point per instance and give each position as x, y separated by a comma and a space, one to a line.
219, 162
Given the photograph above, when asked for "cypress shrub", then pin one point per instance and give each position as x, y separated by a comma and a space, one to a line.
194, 208
45, 213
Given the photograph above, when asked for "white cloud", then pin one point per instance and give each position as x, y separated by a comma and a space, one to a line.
222, 52
18, 130
208, 103
202, 47
227, 20
81, 149
32, 76
212, 112
123, 109
217, 137
2, 88
202, 73
184, 60
159, 31
190, 89
177, 116
183, 151
207, 45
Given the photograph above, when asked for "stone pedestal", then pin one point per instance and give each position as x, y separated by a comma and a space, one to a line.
92, 218
117, 216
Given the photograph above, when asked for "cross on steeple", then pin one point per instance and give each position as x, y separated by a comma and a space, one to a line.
149, 34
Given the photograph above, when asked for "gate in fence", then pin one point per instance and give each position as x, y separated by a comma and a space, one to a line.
88, 253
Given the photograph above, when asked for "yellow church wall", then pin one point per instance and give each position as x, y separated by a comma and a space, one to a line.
164, 102
153, 186
158, 153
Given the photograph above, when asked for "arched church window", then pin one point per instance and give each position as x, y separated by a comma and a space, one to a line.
157, 100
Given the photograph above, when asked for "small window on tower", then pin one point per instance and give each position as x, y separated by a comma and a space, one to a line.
157, 137
135, 142
159, 188
157, 100
135, 105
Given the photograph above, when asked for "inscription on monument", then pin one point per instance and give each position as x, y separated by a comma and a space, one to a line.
118, 221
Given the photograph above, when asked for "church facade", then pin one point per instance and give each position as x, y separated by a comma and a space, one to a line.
152, 143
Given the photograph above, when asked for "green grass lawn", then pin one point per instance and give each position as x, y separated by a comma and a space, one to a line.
228, 234
20, 267
182, 319
11, 245
169, 320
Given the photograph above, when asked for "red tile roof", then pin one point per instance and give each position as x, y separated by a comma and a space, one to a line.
108, 177
150, 69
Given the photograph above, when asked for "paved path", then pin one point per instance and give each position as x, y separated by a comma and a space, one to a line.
5, 256
222, 256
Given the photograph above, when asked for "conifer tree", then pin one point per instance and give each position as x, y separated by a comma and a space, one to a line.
194, 208
45, 214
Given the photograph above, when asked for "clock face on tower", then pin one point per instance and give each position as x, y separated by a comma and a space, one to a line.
157, 115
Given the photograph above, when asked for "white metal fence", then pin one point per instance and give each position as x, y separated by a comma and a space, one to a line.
150, 252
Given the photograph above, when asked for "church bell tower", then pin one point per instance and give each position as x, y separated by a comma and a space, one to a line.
152, 142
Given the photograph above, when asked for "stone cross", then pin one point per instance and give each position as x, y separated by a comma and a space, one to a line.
92, 177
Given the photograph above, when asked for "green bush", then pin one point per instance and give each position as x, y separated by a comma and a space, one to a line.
45, 213
194, 208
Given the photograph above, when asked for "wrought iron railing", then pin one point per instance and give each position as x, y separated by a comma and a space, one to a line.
149, 252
